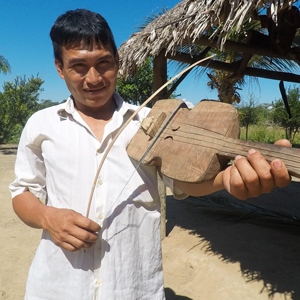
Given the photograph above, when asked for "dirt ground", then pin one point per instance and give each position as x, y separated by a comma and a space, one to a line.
206, 255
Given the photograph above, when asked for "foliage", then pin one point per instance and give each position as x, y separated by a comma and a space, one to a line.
226, 87
150, 19
264, 112
46, 103
137, 89
280, 115
262, 133
4, 65
18, 101
248, 113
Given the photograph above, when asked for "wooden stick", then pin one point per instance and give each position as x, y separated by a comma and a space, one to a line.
127, 122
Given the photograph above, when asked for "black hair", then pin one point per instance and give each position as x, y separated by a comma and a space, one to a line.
80, 26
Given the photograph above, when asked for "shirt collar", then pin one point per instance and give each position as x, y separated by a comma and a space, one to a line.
122, 106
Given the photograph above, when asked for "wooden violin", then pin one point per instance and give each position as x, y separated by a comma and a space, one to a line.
195, 145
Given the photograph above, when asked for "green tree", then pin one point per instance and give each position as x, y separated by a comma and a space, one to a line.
281, 117
4, 65
249, 113
264, 113
46, 103
137, 89
18, 101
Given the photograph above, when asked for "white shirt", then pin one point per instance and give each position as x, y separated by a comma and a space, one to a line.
57, 160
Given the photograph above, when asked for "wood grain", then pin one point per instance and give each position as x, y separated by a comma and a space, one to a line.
199, 143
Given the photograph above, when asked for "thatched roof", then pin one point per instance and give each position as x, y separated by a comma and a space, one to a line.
184, 24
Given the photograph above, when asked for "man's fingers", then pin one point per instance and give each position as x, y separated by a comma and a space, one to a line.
252, 176
263, 170
283, 142
84, 235
281, 176
87, 224
75, 245
76, 238
236, 184
248, 185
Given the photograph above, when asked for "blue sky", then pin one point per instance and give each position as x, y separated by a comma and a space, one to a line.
25, 43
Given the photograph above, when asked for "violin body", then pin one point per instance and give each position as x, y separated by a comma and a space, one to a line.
197, 144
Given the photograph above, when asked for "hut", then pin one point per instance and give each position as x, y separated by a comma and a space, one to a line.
205, 23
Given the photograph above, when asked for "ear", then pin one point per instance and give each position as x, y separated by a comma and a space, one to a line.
59, 68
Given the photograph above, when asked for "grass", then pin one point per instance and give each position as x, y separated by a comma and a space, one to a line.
266, 134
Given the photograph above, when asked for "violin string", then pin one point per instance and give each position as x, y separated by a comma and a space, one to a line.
146, 152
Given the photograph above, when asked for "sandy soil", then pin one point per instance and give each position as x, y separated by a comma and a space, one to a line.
206, 255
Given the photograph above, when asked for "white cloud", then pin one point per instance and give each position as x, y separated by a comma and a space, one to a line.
190, 105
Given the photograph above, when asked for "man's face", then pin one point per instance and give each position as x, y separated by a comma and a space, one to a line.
90, 74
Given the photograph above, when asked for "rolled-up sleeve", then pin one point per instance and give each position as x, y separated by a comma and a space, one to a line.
29, 168
177, 193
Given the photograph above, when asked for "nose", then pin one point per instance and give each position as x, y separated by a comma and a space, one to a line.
92, 76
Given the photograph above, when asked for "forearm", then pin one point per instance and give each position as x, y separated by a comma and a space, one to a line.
203, 188
29, 209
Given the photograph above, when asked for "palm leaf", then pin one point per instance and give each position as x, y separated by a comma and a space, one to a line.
4, 65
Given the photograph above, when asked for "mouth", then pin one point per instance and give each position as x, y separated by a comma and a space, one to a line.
93, 91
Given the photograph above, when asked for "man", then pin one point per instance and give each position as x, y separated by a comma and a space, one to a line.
115, 253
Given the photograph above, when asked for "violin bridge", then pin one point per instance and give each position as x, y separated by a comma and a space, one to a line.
151, 125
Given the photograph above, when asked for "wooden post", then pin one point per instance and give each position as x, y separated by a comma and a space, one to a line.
162, 195
160, 77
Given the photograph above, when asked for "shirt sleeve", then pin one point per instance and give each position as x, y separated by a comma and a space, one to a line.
177, 193
29, 167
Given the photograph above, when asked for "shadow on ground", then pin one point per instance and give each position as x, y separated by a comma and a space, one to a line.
8, 149
266, 249
170, 295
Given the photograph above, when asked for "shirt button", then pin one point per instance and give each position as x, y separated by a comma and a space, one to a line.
99, 151
99, 250
100, 216
99, 182
98, 281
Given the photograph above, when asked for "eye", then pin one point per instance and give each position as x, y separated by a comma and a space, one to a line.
80, 68
105, 61
104, 65
78, 65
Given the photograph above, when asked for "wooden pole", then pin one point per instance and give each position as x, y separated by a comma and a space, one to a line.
240, 47
160, 77
218, 65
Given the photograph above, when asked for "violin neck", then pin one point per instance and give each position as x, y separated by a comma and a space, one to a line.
290, 156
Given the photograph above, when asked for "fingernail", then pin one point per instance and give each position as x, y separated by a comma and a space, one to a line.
251, 151
238, 157
277, 164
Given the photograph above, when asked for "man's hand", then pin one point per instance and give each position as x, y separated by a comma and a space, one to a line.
247, 177
252, 176
69, 229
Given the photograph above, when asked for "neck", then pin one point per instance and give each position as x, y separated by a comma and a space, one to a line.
104, 112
